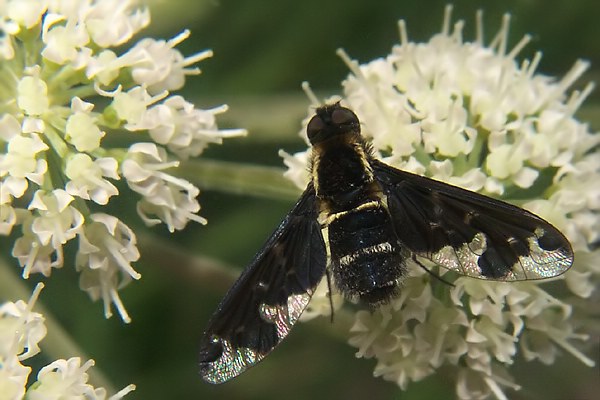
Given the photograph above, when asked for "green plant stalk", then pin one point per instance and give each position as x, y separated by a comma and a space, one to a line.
238, 178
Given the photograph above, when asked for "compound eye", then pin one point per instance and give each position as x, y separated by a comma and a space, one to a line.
314, 127
343, 116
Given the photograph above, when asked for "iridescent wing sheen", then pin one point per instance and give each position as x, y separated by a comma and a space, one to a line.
470, 233
269, 296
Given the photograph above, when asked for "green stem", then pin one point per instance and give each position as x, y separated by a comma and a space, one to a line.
460, 165
239, 178
56, 142
475, 157
421, 155
58, 343
213, 274
82, 92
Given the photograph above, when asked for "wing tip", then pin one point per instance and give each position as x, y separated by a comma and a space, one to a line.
220, 361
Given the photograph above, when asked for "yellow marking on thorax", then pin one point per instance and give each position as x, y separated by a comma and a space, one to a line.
326, 218
325, 233
364, 160
315, 161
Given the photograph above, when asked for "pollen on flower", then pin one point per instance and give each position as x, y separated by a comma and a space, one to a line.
471, 115
57, 167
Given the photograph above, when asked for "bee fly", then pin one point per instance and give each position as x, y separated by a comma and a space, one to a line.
359, 221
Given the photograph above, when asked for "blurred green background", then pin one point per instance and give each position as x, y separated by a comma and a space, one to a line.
263, 51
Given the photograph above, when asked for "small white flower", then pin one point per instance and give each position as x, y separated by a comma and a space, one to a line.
184, 129
449, 135
105, 67
171, 207
21, 329
50, 222
68, 379
32, 95
162, 67
21, 164
8, 219
472, 385
172, 200
35, 257
87, 177
9, 127
81, 129
297, 171
26, 13
65, 378
106, 250
55, 221
132, 106
13, 377
113, 22
65, 43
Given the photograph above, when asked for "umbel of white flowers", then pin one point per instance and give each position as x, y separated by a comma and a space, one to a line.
467, 113
21, 331
72, 92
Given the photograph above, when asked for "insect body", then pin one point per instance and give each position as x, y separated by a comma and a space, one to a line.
361, 220
366, 257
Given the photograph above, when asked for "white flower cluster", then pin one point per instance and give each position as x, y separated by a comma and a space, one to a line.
57, 57
21, 330
468, 114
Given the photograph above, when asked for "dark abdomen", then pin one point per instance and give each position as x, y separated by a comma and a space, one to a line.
366, 260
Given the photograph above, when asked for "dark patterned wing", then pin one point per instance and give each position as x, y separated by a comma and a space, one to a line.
269, 296
470, 233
